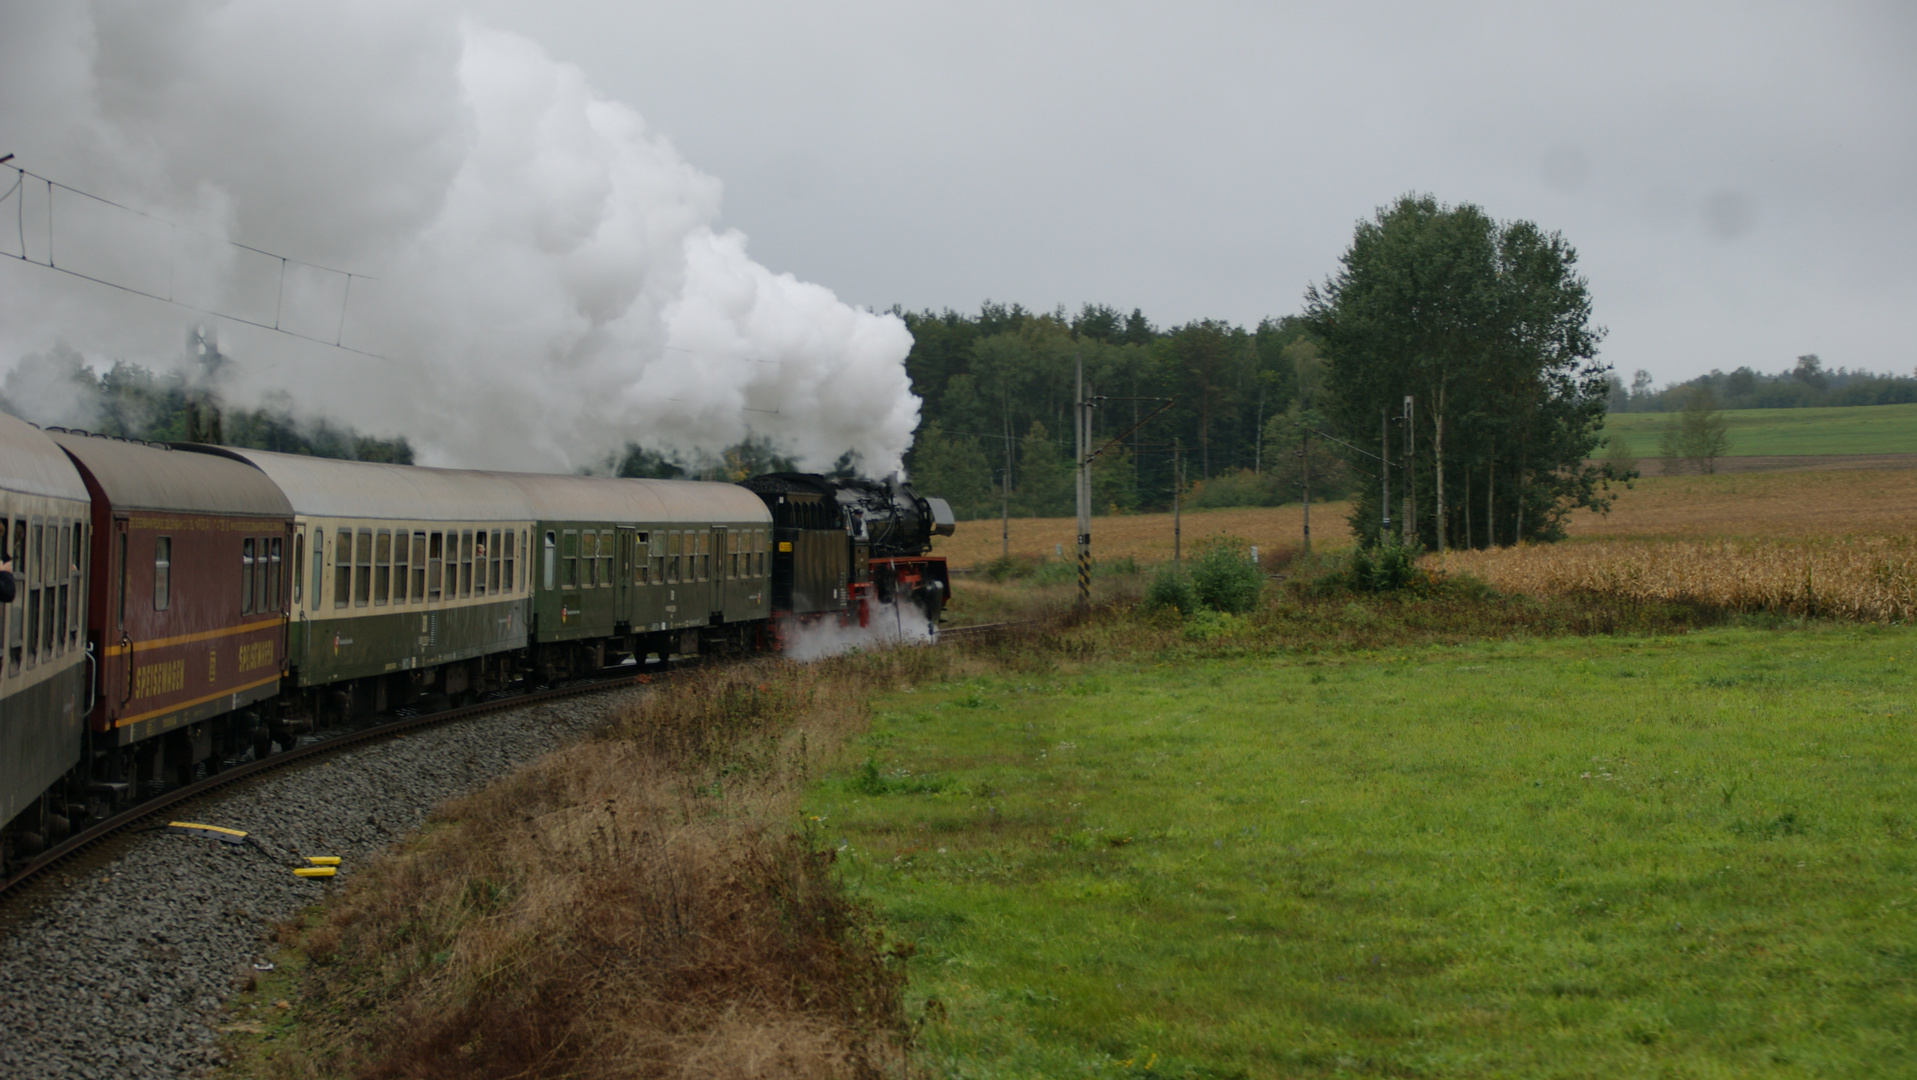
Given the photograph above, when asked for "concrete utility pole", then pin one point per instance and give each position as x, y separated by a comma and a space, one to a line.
1304, 454
1005, 504
1178, 490
1083, 411
1410, 492
1384, 471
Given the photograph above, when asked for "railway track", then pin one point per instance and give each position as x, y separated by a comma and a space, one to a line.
147, 809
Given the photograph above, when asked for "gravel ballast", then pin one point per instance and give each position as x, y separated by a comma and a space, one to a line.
122, 971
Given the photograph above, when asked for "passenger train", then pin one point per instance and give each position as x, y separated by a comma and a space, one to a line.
181, 606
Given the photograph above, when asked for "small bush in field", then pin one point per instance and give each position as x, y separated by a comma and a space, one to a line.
1224, 576
1172, 588
1389, 566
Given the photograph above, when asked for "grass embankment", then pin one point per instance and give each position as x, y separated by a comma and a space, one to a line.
1689, 856
1857, 429
637, 904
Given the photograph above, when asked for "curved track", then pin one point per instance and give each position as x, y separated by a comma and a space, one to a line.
82, 841
148, 808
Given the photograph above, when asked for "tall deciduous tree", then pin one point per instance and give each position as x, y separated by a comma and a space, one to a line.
1487, 327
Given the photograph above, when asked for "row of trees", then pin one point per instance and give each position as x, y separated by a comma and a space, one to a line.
182, 405
998, 389
1805, 385
1486, 325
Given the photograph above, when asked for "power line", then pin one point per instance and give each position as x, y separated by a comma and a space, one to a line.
50, 263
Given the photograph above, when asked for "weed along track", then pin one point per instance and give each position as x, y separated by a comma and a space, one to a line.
649, 889
118, 958
327, 743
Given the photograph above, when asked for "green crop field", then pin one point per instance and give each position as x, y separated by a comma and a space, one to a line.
1861, 429
1684, 856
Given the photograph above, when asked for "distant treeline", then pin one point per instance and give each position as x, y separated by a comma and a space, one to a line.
1807, 385
133, 402
998, 388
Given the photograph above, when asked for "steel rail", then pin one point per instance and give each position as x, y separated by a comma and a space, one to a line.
148, 808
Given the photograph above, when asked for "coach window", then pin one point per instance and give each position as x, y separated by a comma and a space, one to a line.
419, 567
162, 572
246, 576
121, 545
63, 574
382, 567
262, 599
363, 568
16, 611
50, 577
672, 557
508, 559
640, 562
705, 556
588, 550
466, 562
273, 572
435, 548
402, 556
342, 568
299, 564
79, 569
569, 559
605, 559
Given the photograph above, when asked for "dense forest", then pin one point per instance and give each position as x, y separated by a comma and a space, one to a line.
998, 388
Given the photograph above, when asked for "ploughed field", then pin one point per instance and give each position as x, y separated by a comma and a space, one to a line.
1567, 857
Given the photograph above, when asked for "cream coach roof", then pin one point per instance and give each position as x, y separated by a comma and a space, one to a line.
620, 499
145, 476
34, 465
324, 487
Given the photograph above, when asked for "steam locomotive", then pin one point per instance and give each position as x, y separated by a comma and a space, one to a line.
181, 606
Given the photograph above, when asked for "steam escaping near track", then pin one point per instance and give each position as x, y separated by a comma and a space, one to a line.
887, 624
543, 282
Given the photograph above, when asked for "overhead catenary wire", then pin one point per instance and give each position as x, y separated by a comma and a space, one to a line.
51, 263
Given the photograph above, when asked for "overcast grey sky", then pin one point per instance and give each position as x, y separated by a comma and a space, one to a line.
1736, 176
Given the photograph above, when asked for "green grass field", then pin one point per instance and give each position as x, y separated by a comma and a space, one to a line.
1863, 429
1688, 856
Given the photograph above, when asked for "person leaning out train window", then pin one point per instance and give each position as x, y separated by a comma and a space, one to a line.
6, 580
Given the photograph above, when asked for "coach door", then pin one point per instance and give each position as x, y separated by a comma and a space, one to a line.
714, 567
625, 575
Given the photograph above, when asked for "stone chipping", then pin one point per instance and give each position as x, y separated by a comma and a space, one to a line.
120, 970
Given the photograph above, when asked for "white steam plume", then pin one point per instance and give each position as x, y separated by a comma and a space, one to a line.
546, 282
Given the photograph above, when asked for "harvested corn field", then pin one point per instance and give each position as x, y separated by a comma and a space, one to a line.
1880, 502
1867, 578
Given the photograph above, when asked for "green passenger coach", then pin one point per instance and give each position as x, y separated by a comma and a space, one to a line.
407, 583
625, 567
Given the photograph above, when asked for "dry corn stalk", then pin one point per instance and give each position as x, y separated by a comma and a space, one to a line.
1868, 578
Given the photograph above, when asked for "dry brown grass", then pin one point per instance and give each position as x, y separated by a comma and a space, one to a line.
635, 905
1147, 537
